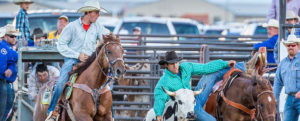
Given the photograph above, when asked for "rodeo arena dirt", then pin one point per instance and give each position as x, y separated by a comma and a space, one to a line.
149, 60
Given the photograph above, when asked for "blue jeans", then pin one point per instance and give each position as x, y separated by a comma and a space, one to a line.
209, 81
3, 95
291, 110
10, 99
63, 78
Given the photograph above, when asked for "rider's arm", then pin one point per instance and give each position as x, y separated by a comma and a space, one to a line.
160, 98
278, 83
12, 65
201, 69
63, 41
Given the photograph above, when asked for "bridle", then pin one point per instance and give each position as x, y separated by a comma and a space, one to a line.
111, 73
111, 76
258, 106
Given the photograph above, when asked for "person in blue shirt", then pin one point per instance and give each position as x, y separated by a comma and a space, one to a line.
11, 71
22, 22
288, 75
272, 27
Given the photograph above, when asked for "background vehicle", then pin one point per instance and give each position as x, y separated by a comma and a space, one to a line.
47, 19
158, 26
255, 29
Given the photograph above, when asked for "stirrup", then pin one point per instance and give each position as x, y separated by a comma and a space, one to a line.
52, 116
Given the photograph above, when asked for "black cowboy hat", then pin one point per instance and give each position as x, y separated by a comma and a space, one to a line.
170, 58
38, 33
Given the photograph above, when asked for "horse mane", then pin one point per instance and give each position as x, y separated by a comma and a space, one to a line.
89, 61
106, 38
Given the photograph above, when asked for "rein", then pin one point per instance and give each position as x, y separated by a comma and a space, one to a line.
259, 107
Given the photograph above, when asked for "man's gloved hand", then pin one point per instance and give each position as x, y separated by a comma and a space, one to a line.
231, 63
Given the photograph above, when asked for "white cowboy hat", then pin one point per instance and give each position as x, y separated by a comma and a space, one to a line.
91, 5
292, 38
2, 31
11, 30
22, 1
272, 23
291, 15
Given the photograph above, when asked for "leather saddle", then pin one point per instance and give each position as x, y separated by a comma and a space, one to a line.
211, 104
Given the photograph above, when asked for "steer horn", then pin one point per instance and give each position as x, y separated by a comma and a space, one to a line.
168, 92
199, 91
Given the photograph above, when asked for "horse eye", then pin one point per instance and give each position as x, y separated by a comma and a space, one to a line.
108, 52
262, 105
180, 102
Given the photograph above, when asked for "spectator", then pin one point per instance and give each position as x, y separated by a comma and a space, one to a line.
291, 5
8, 69
292, 18
137, 31
61, 24
287, 74
22, 22
272, 27
40, 76
37, 36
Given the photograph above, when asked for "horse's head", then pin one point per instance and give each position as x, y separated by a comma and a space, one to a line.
265, 101
111, 54
256, 65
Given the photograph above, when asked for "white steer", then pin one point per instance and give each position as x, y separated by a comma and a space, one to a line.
179, 108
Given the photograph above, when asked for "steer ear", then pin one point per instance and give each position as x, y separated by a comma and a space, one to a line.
172, 94
198, 92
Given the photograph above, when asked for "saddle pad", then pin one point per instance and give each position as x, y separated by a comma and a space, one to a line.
217, 86
72, 79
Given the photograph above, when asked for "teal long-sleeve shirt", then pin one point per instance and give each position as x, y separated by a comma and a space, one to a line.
173, 82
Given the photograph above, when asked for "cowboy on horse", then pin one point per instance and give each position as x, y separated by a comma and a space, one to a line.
76, 43
178, 76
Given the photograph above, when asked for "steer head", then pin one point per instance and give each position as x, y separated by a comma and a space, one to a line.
185, 99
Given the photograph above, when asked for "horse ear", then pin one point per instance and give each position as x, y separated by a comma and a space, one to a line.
105, 38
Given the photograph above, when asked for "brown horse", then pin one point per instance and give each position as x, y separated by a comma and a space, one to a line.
254, 99
134, 98
91, 98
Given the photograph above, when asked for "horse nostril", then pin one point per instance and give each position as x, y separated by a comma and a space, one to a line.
118, 72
